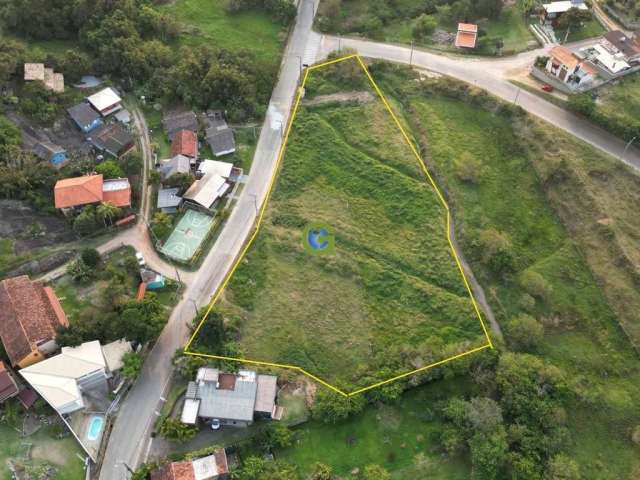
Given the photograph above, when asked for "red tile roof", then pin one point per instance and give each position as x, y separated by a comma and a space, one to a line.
174, 471
564, 56
72, 192
185, 143
28, 315
119, 198
468, 27
8, 387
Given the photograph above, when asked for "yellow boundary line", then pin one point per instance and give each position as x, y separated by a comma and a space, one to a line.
243, 252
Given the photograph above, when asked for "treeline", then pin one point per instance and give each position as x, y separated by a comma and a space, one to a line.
134, 42
380, 13
280, 10
585, 104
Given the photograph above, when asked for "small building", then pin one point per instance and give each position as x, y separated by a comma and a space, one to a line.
552, 11
75, 383
619, 43
175, 165
8, 386
218, 135
34, 72
38, 72
232, 399
169, 200
151, 280
467, 35
50, 152
112, 139
207, 190
30, 313
215, 167
88, 189
117, 192
106, 101
185, 142
212, 467
85, 117
565, 66
613, 63
123, 116
175, 121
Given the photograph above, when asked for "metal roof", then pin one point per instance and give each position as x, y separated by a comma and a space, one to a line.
169, 198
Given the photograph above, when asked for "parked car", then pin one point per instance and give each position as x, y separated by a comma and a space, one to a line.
215, 424
547, 88
140, 259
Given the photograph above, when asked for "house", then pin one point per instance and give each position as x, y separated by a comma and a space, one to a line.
218, 135
106, 101
552, 11
169, 200
123, 116
215, 167
212, 467
8, 386
50, 152
112, 139
467, 35
207, 190
613, 63
38, 72
88, 189
30, 313
175, 121
230, 398
564, 65
151, 280
85, 117
185, 142
76, 384
619, 43
175, 165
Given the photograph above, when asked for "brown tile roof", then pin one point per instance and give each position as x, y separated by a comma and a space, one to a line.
8, 387
564, 56
174, 471
468, 27
466, 39
27, 316
185, 143
72, 192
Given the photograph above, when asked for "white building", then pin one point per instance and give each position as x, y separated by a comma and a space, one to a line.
106, 101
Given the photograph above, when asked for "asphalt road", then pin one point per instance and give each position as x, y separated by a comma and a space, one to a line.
129, 438
492, 75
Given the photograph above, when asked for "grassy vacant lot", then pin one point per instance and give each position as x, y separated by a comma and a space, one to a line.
591, 29
46, 450
390, 290
206, 22
570, 215
620, 102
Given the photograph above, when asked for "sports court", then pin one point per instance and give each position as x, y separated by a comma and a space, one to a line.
186, 238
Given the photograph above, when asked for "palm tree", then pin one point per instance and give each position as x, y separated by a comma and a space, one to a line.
107, 211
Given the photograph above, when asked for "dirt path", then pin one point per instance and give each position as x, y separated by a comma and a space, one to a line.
342, 97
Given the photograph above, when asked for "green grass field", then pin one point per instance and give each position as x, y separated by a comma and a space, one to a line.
205, 22
621, 101
590, 29
391, 289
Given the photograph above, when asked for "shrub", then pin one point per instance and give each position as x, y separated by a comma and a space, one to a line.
174, 429
110, 169
91, 257
535, 284
424, 25
468, 168
80, 271
132, 365
331, 407
525, 332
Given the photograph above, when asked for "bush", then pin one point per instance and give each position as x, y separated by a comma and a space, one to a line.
110, 169
468, 168
331, 407
424, 25
132, 365
174, 429
91, 257
535, 284
525, 333
80, 271
582, 103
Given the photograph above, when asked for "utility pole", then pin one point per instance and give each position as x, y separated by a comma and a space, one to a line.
626, 147
255, 202
411, 56
339, 42
517, 95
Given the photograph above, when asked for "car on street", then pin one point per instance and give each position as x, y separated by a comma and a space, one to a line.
140, 259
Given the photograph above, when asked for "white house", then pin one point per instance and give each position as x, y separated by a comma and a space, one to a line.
565, 66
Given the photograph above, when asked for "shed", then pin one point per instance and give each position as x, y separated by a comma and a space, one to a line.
169, 200
175, 165
85, 117
51, 153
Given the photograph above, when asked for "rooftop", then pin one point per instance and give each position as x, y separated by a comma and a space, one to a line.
207, 190
168, 198
205, 468
216, 168
185, 143
172, 166
83, 114
563, 6
628, 46
105, 99
113, 138
34, 71
467, 35
564, 56
174, 121
117, 192
71, 192
8, 386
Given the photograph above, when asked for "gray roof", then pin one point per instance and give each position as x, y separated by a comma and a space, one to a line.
178, 164
173, 122
220, 140
236, 404
168, 198
113, 139
83, 114
45, 150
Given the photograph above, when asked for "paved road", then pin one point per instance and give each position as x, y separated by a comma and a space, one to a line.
492, 75
129, 439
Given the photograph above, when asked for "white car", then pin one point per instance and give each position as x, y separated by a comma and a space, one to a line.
215, 424
140, 259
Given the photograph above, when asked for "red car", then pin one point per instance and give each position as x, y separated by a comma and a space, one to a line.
547, 88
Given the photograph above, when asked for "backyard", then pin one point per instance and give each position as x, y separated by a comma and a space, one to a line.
392, 284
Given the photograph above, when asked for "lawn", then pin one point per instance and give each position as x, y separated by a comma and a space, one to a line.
620, 101
591, 29
390, 286
512, 28
46, 449
403, 437
205, 22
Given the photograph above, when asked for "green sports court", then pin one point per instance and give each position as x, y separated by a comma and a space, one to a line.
188, 236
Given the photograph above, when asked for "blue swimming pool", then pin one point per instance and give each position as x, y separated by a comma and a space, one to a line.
95, 427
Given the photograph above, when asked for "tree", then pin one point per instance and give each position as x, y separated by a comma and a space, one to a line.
212, 333
424, 25
85, 222
488, 452
496, 251
483, 414
275, 435
321, 471
525, 332
141, 321
375, 472
10, 135
562, 467
328, 14
162, 224
444, 13
11, 55
535, 284
90, 257
154, 177
174, 429
573, 18
131, 365
107, 212
330, 407
582, 103
74, 64
468, 167
180, 180
110, 169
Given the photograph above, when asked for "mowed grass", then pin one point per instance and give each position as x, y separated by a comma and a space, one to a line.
391, 289
403, 437
549, 201
206, 23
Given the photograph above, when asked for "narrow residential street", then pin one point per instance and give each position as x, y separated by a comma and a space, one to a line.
129, 440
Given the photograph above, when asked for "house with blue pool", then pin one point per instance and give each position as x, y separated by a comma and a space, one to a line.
78, 384
50, 152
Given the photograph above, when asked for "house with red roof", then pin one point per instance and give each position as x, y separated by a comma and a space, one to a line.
88, 189
30, 313
212, 467
467, 35
565, 66
185, 142
8, 386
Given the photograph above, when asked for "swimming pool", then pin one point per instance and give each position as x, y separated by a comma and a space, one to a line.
95, 427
